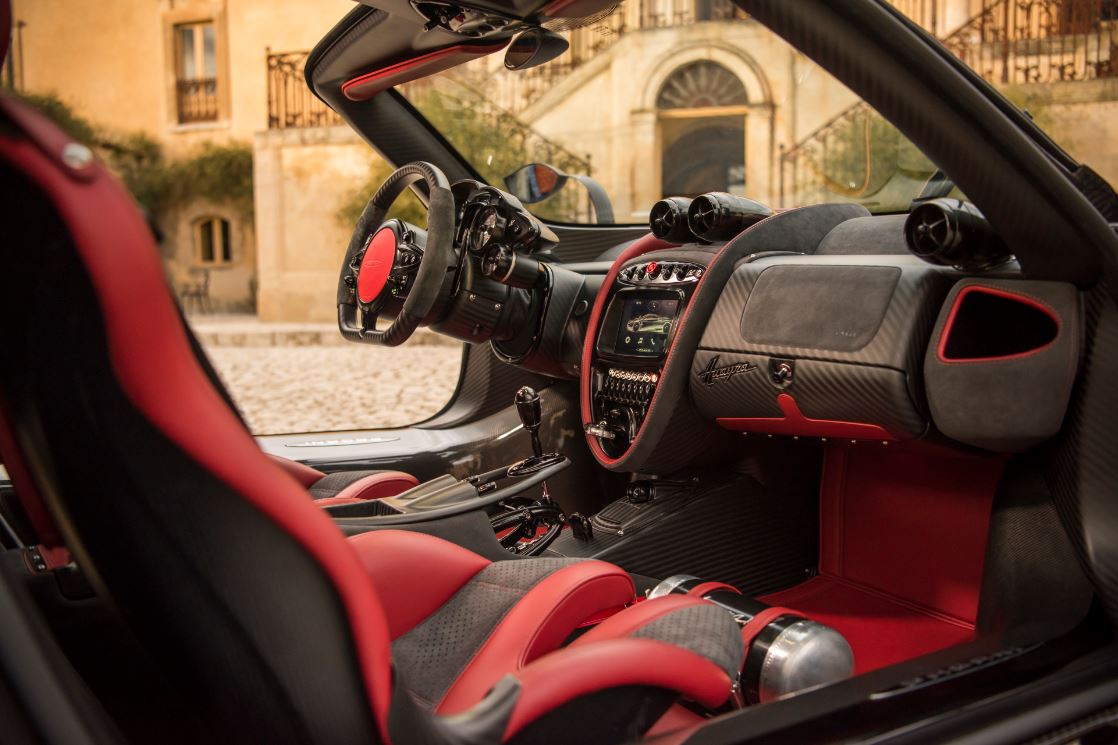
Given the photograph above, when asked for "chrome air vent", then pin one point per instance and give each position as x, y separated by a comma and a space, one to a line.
668, 220
952, 232
719, 216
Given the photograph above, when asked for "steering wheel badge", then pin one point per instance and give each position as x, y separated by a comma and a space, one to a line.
376, 265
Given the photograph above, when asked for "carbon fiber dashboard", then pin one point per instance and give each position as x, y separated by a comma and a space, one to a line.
818, 345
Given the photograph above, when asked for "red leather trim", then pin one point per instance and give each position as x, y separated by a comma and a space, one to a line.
160, 375
364, 87
391, 558
638, 616
600, 616
678, 721
795, 423
304, 474
376, 265
703, 588
576, 671
758, 623
538, 624
376, 486
642, 245
941, 348
902, 544
910, 521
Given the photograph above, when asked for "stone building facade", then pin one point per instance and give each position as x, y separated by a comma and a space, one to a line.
631, 97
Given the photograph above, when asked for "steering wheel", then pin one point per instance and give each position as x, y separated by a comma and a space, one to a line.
386, 262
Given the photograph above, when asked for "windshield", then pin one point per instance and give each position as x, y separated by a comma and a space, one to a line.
672, 98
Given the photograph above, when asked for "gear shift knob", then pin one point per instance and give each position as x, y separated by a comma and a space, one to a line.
528, 408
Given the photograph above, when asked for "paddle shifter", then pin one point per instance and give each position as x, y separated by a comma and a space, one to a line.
530, 411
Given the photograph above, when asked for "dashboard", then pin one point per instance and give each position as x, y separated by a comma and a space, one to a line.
728, 319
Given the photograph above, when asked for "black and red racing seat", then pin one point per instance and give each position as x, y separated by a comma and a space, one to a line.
279, 628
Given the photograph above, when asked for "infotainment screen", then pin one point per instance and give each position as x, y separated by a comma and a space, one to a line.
645, 325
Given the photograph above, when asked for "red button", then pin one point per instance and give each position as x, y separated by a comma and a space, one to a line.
651, 268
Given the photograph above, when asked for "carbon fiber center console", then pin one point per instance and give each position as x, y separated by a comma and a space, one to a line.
646, 303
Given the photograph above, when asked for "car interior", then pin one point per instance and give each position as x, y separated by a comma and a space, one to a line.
738, 474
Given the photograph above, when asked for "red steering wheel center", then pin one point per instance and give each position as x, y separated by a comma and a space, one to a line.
376, 265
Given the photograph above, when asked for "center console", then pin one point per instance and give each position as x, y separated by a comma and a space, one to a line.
635, 334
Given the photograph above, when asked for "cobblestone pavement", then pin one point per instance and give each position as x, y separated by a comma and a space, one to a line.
284, 382
318, 389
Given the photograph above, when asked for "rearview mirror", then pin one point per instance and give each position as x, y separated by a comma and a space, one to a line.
534, 47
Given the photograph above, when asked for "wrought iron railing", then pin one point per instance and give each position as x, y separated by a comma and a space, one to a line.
1040, 41
196, 100
1008, 42
291, 104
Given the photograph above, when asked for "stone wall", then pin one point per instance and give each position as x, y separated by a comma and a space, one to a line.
302, 177
1080, 116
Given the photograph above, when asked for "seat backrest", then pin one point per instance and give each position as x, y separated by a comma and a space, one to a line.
255, 602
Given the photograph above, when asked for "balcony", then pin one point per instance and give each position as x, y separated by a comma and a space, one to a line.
291, 104
196, 100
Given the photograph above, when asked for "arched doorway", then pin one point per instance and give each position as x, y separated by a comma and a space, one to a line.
701, 109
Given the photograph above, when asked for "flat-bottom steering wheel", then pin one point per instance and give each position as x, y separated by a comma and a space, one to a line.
387, 262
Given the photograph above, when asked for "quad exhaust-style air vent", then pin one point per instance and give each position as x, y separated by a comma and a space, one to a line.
668, 220
719, 216
952, 232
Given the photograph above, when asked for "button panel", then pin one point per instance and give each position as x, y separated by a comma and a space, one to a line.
658, 273
631, 387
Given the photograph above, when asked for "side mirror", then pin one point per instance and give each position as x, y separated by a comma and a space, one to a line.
535, 182
534, 47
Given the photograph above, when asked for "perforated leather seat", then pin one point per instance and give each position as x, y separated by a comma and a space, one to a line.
279, 628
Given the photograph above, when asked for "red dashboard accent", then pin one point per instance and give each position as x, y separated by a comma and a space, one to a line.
795, 423
364, 87
941, 348
376, 265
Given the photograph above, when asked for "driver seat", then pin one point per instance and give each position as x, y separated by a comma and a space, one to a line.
275, 626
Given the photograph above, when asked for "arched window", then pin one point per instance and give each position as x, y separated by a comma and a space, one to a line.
213, 241
702, 108
701, 84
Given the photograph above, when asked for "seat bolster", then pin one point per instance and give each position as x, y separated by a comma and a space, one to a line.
302, 473
539, 623
373, 486
413, 573
576, 671
684, 621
